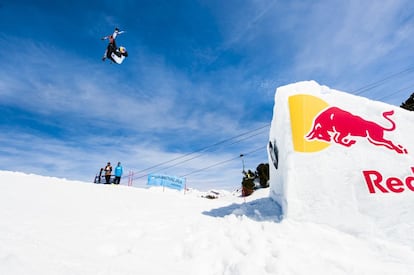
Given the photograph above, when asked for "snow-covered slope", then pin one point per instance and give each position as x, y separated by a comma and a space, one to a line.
54, 226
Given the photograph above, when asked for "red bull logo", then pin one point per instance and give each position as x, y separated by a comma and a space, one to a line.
340, 126
335, 125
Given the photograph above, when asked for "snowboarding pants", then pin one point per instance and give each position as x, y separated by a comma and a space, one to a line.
110, 49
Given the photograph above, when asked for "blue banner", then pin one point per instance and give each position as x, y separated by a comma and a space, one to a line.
166, 181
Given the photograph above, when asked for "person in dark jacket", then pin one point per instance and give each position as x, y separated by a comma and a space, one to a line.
108, 173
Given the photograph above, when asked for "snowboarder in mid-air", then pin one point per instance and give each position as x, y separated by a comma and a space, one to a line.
112, 52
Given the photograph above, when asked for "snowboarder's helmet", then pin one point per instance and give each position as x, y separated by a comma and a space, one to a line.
122, 49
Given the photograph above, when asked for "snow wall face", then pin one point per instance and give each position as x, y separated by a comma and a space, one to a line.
341, 159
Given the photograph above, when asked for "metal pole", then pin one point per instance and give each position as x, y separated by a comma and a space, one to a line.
241, 156
130, 177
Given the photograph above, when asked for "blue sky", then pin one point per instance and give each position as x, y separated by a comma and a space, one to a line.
199, 73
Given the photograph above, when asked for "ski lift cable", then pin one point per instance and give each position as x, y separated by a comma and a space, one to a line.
197, 156
213, 165
200, 155
224, 161
201, 149
381, 81
398, 91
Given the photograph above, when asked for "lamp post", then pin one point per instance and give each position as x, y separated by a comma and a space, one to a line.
241, 156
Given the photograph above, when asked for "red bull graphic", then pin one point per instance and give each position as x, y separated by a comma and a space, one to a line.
341, 127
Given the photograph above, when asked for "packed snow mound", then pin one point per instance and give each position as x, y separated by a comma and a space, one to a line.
343, 161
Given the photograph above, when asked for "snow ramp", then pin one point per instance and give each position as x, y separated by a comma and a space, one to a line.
344, 161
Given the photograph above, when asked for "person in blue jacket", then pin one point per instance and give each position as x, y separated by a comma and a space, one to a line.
118, 173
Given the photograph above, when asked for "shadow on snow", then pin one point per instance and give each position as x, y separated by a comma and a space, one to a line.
264, 209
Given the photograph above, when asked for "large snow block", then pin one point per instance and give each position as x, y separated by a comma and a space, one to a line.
342, 160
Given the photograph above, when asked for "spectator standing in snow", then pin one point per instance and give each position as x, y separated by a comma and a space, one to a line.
118, 173
248, 184
108, 172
